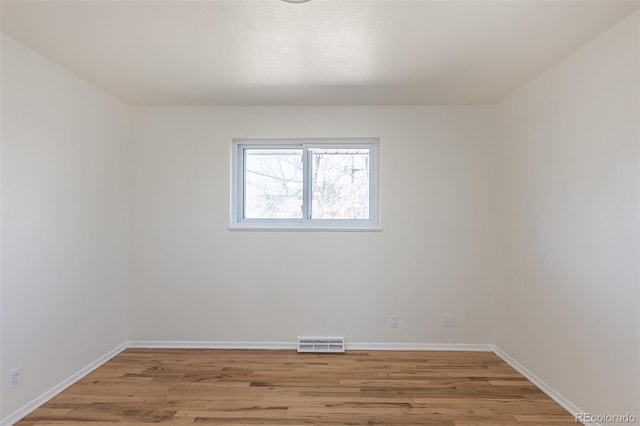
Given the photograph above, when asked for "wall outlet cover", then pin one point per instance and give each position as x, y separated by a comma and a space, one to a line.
448, 320
392, 322
15, 378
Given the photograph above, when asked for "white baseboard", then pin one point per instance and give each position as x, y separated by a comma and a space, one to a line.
28, 408
418, 347
292, 345
551, 393
186, 344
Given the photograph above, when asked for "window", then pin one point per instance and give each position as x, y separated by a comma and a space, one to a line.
305, 184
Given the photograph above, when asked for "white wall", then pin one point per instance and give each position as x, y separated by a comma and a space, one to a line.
193, 279
566, 306
64, 223
563, 179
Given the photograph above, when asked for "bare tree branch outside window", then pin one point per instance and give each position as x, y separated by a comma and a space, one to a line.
273, 183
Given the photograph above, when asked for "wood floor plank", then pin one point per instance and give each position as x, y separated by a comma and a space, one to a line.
249, 387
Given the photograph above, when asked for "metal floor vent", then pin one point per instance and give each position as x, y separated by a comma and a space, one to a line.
321, 344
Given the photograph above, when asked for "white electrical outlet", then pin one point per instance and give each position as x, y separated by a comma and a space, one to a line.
393, 321
15, 378
448, 320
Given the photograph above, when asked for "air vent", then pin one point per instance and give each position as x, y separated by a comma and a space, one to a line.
321, 344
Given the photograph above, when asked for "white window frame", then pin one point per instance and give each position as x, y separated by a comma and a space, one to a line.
238, 222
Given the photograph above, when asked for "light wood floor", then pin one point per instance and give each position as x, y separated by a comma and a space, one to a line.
247, 387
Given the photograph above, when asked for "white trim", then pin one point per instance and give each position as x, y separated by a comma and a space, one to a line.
186, 344
275, 227
237, 222
356, 346
31, 406
454, 347
548, 390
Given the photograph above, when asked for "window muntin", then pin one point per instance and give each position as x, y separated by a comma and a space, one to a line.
305, 184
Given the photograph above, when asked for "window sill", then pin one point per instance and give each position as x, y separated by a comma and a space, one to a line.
309, 228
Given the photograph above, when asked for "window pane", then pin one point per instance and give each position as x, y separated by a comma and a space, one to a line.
340, 183
273, 183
